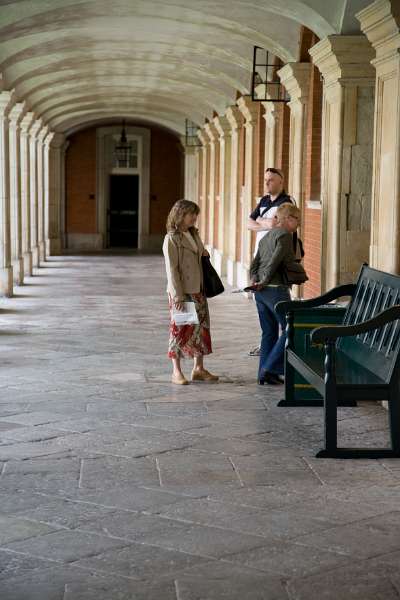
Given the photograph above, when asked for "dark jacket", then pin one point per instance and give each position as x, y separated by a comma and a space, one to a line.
274, 251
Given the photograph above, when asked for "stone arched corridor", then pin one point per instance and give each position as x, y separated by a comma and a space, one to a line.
116, 484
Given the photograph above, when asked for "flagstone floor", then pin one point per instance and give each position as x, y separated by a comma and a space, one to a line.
117, 485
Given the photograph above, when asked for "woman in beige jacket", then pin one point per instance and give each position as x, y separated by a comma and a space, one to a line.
183, 250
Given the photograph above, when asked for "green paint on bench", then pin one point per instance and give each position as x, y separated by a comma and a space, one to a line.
361, 360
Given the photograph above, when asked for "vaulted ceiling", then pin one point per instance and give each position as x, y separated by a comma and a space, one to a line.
80, 61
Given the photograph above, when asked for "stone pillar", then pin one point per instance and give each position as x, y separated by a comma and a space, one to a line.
53, 143
381, 24
213, 191
6, 271
344, 62
25, 193
250, 113
33, 171
41, 183
17, 260
296, 79
223, 128
270, 134
203, 196
233, 116
191, 175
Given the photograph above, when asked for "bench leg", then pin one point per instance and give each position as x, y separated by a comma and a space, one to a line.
289, 399
394, 420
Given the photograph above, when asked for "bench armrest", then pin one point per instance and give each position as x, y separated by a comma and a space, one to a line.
336, 292
322, 334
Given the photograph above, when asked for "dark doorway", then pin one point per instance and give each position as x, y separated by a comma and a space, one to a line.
123, 214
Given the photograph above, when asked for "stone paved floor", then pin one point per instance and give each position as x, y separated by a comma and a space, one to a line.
115, 485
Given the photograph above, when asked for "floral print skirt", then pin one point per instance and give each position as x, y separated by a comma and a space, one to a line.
191, 340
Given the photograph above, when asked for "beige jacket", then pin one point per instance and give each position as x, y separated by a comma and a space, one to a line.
183, 265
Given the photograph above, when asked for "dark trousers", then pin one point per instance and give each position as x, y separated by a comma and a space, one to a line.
272, 344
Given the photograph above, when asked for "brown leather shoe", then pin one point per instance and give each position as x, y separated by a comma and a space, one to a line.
203, 376
179, 380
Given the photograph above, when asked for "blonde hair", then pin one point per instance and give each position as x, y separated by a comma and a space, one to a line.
178, 212
285, 210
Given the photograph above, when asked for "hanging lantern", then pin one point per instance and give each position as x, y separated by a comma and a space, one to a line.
123, 150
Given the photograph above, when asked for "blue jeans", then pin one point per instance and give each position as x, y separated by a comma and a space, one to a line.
272, 344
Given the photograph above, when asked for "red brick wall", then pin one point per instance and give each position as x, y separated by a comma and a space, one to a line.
166, 176
80, 175
312, 188
166, 179
282, 139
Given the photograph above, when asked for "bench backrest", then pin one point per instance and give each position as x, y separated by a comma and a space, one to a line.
376, 350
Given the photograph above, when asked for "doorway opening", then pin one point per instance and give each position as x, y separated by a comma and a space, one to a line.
123, 213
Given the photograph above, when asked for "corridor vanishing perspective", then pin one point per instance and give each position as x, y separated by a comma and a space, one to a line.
115, 484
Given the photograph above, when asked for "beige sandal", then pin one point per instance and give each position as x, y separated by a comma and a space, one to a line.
179, 380
204, 376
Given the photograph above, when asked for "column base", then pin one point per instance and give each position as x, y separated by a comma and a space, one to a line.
231, 272
6, 282
42, 251
53, 247
28, 264
36, 256
18, 271
220, 262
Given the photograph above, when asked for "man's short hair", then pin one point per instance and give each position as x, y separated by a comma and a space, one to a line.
287, 209
275, 171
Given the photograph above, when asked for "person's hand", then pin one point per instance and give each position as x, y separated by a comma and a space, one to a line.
179, 305
206, 253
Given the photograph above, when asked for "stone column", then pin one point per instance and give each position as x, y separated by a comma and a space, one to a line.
17, 260
344, 62
270, 134
53, 143
250, 113
191, 175
381, 24
223, 128
41, 182
213, 192
33, 171
203, 197
296, 79
25, 193
233, 116
6, 271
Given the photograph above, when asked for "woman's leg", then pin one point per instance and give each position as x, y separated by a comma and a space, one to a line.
176, 366
198, 363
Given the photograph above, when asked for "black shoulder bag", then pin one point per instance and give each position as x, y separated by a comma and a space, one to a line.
211, 281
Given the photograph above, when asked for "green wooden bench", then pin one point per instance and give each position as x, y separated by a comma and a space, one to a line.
361, 359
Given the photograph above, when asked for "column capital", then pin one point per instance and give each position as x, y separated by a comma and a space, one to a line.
43, 133
7, 100
203, 137
212, 132
16, 113
344, 59
234, 117
248, 108
26, 122
295, 77
35, 128
380, 21
222, 125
